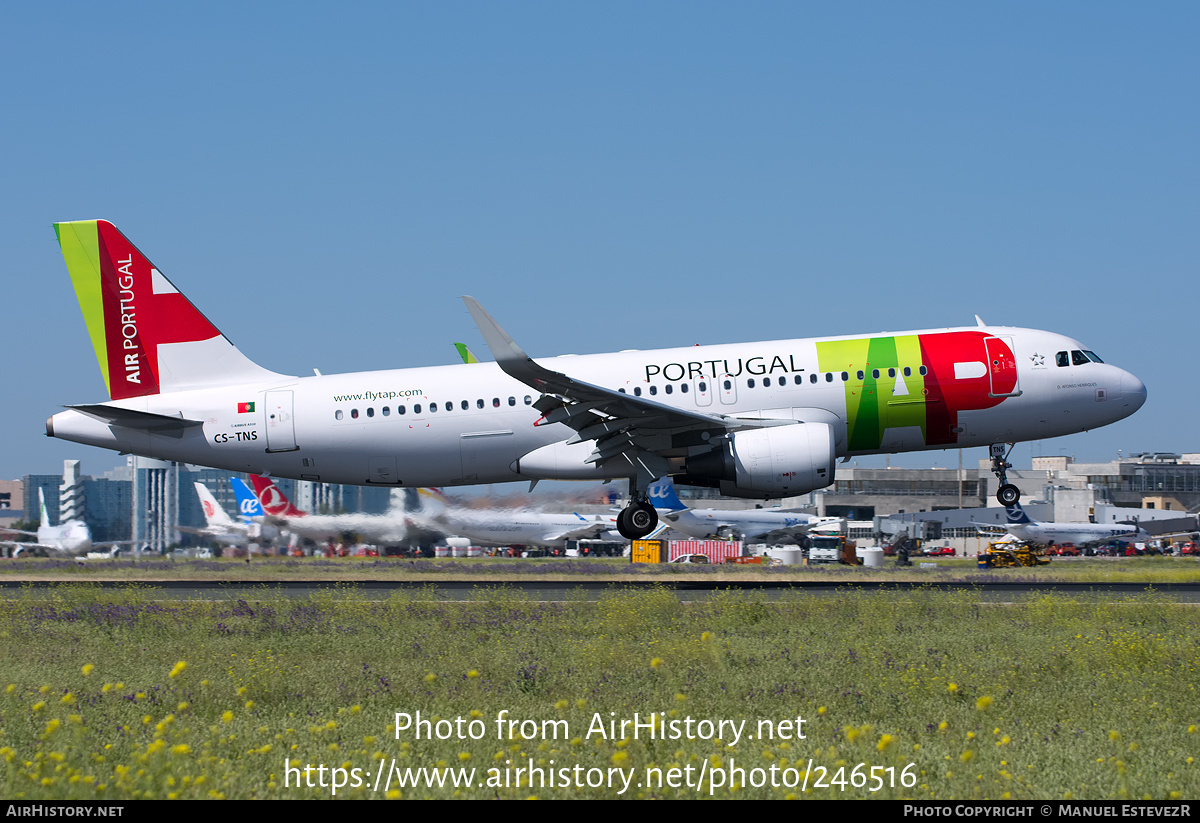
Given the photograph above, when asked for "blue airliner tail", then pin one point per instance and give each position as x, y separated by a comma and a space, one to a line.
1016, 515
662, 495
248, 505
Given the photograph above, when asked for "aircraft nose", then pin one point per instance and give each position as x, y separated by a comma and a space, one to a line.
1133, 391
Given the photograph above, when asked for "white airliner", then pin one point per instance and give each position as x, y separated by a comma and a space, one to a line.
223, 528
379, 529
1021, 527
766, 419
72, 537
512, 527
750, 525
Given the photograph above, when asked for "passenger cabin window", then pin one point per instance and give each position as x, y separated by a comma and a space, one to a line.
922, 371
637, 391
337, 415
812, 378
860, 374
528, 400
416, 408
354, 413
495, 402
875, 373
750, 383
371, 412
683, 387
845, 376
668, 388
828, 377
907, 371
400, 410
386, 411
654, 390
891, 372
479, 403
465, 405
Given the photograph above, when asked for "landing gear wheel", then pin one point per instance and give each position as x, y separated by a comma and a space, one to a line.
637, 520
1008, 494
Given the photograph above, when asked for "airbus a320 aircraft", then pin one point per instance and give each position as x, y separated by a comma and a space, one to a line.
758, 420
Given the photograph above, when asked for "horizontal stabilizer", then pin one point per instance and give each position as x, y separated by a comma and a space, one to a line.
163, 424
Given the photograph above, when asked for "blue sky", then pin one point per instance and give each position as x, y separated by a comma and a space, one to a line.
324, 181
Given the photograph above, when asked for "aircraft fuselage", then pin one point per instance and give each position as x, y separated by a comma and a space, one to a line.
472, 423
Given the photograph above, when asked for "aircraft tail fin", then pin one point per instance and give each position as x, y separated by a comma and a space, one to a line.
214, 515
466, 354
43, 515
147, 336
248, 504
432, 501
273, 501
662, 495
1016, 515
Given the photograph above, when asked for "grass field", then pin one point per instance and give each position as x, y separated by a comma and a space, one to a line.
121, 694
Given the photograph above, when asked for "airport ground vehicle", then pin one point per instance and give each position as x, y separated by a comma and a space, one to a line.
1005, 555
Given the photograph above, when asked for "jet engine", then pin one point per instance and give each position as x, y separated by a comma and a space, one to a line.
776, 461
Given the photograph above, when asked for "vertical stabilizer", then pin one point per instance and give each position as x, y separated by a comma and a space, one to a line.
214, 515
273, 501
248, 504
1015, 515
148, 337
662, 495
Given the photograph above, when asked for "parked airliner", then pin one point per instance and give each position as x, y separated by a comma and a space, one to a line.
751, 525
511, 527
72, 537
388, 529
223, 528
1021, 527
764, 419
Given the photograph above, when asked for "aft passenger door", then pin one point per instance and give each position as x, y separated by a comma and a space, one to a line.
281, 428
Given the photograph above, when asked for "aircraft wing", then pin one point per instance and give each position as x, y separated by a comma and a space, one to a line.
786, 534
590, 531
634, 435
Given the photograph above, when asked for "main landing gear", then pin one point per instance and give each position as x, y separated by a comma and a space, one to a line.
637, 519
1007, 494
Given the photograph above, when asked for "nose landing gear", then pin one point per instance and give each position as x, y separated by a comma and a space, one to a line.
1007, 494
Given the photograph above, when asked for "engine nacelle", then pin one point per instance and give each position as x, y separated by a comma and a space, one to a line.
775, 461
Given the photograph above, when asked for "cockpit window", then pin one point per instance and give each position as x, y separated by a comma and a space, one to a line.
1078, 358
1091, 355
1060, 359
